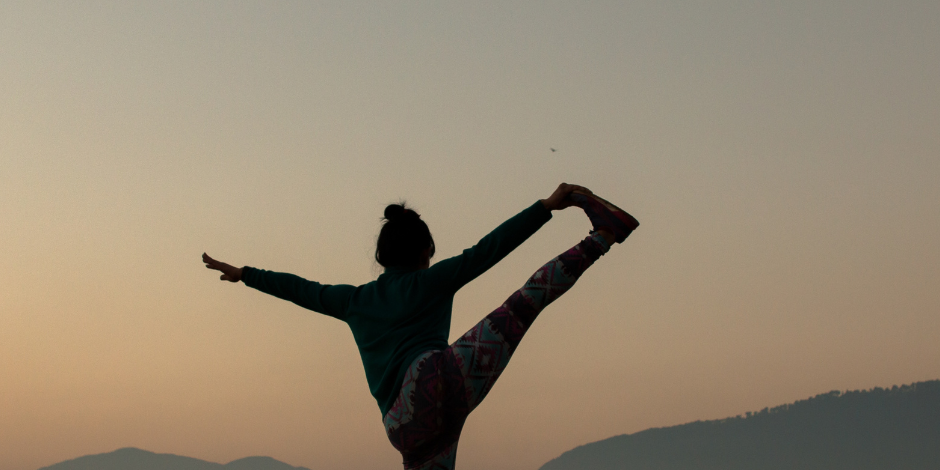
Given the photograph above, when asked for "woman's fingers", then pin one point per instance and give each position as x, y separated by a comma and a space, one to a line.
229, 273
575, 188
570, 188
211, 263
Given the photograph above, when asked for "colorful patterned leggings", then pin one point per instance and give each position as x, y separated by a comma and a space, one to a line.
441, 388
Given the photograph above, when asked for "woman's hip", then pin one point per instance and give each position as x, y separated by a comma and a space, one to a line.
431, 408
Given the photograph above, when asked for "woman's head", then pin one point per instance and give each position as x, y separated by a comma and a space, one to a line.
405, 240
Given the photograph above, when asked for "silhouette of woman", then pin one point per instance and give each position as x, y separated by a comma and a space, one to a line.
424, 387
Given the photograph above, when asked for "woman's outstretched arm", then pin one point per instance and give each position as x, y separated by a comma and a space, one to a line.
326, 299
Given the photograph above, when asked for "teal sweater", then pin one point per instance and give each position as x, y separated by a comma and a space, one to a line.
404, 312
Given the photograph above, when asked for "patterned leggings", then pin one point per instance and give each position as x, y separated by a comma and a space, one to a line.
441, 388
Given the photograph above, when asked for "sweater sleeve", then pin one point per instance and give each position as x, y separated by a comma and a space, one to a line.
454, 273
323, 298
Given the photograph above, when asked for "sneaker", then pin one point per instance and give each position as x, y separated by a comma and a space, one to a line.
606, 216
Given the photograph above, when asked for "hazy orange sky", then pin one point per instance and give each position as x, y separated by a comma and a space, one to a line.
783, 158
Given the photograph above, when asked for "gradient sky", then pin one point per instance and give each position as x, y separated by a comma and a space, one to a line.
783, 158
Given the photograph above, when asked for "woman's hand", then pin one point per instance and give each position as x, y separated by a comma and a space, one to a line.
229, 273
559, 199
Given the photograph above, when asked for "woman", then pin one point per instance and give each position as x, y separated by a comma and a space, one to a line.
401, 321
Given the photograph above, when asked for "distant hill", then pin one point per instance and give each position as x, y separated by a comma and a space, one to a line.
878, 429
136, 459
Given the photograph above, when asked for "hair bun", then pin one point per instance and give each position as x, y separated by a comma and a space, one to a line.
394, 211
397, 211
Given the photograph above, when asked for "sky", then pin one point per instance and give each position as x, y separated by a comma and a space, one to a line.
782, 157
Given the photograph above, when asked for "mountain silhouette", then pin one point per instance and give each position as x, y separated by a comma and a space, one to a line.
896, 428
130, 458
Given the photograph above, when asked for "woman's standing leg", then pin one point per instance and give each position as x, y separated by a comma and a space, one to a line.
425, 422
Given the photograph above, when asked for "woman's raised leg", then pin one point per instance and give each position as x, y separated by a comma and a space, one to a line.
483, 352
441, 388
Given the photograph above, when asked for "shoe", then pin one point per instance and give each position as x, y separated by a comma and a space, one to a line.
606, 216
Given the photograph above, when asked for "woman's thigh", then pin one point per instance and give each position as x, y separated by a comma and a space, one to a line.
483, 352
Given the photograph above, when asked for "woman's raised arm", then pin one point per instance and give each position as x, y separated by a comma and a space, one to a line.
454, 273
